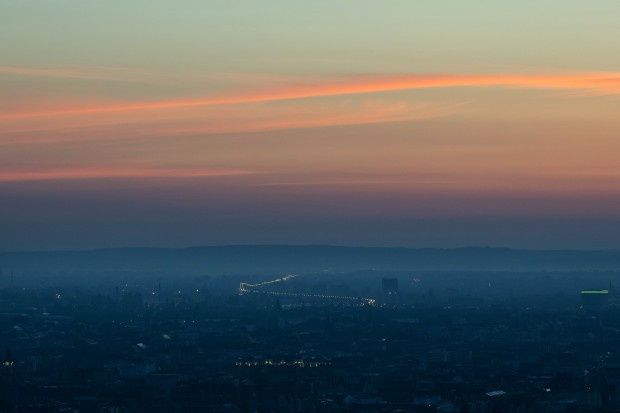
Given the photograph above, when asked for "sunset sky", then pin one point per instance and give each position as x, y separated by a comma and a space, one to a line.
343, 122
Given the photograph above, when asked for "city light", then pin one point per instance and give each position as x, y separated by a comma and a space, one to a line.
255, 288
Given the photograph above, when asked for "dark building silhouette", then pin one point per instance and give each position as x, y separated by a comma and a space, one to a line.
389, 287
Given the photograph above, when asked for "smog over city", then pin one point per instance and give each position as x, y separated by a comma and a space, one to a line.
325, 207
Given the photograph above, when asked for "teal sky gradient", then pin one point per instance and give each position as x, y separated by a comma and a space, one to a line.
418, 123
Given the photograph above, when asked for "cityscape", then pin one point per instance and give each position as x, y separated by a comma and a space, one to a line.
371, 340
326, 206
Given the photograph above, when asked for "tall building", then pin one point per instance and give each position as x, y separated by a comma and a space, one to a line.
389, 288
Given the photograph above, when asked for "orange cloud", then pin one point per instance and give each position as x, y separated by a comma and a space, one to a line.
216, 120
600, 83
119, 172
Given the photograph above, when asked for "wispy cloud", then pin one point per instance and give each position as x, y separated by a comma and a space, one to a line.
79, 73
590, 83
115, 172
177, 122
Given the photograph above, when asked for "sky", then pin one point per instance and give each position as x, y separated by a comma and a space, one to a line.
342, 122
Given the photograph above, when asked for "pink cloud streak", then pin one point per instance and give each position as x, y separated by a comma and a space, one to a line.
119, 172
600, 83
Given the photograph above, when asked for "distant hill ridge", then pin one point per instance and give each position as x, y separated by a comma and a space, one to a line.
230, 259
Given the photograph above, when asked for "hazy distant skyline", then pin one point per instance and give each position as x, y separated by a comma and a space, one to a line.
424, 124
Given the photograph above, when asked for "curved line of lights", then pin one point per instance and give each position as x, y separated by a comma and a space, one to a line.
252, 288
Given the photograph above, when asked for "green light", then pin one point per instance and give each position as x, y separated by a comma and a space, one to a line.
594, 291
